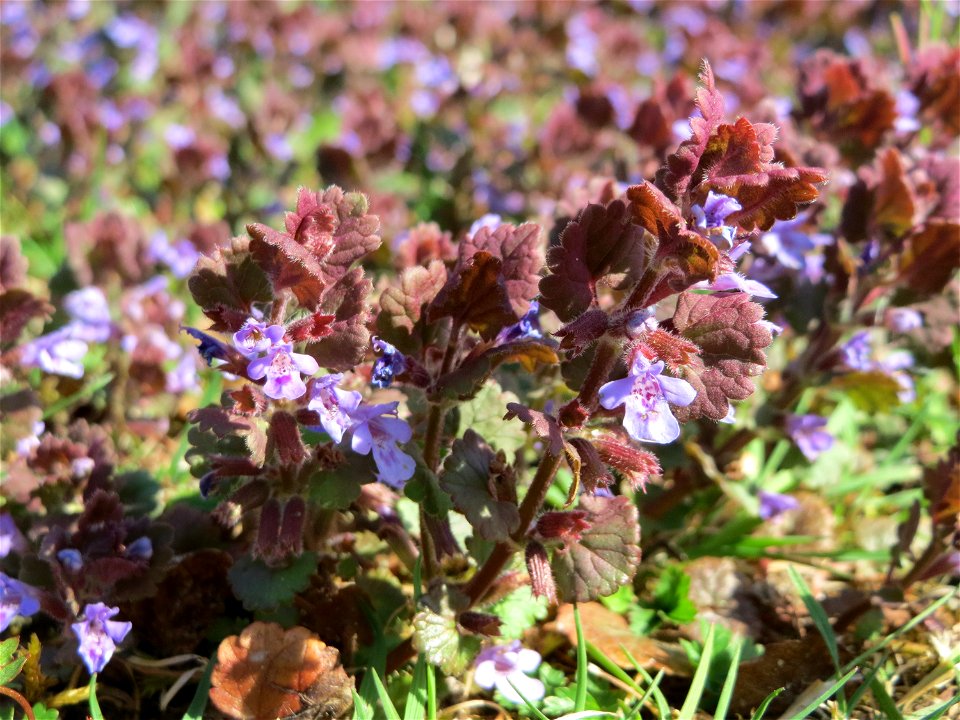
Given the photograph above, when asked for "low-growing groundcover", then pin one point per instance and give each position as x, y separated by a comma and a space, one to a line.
479, 360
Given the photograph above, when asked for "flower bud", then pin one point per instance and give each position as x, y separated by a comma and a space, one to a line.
541, 576
564, 525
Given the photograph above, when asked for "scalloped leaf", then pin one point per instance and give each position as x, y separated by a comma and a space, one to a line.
476, 295
467, 476
606, 555
520, 250
346, 344
731, 339
438, 637
601, 241
227, 284
402, 318
261, 587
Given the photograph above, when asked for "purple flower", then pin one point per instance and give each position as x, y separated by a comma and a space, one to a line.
58, 353
377, 428
140, 549
16, 598
71, 559
736, 282
278, 146
505, 667
773, 504
391, 363
210, 348
528, 328
27, 444
90, 313
648, 395
712, 215
856, 353
183, 376
808, 432
98, 635
282, 367
11, 539
333, 405
902, 320
907, 107
180, 257
256, 337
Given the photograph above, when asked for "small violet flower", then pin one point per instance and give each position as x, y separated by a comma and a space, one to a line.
257, 337
26, 445
736, 282
16, 598
71, 559
773, 504
856, 353
648, 394
505, 667
810, 435
377, 428
712, 215
99, 635
282, 367
902, 320
333, 405
390, 363
528, 328
11, 539
90, 313
57, 353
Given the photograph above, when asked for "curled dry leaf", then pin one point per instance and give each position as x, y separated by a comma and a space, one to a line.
267, 672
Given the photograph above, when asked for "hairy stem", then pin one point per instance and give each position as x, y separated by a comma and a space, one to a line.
20, 700
484, 578
608, 350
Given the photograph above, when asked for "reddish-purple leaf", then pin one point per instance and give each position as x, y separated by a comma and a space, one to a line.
476, 295
402, 320
520, 250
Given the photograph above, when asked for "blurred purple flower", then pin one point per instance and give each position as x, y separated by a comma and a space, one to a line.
773, 504
179, 136
333, 405
582, 45
71, 559
505, 667
57, 353
786, 247
27, 444
11, 539
390, 363
278, 146
98, 635
377, 428
907, 107
737, 283
810, 435
90, 314
180, 257
282, 367
16, 598
648, 395
902, 320
183, 377
856, 353
140, 549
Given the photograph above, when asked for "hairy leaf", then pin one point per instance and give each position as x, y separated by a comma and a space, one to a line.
402, 320
467, 476
260, 587
605, 557
227, 284
520, 250
437, 635
288, 264
468, 378
731, 339
267, 672
545, 426
477, 296
484, 415
601, 241
348, 339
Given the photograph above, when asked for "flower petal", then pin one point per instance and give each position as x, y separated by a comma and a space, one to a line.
615, 393
677, 391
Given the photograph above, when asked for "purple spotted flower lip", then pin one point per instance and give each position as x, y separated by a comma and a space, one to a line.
647, 395
98, 635
16, 598
505, 668
378, 429
810, 434
774, 504
282, 367
333, 405
257, 337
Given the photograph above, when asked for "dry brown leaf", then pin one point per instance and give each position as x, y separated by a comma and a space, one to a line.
267, 672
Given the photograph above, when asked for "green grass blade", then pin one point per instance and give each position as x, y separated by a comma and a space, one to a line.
762, 709
530, 706
726, 694
361, 709
905, 628
825, 695
818, 615
431, 693
199, 703
580, 701
389, 710
95, 712
886, 704
663, 707
940, 710
416, 708
865, 685
699, 682
601, 659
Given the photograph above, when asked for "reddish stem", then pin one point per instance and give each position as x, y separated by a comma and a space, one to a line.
20, 700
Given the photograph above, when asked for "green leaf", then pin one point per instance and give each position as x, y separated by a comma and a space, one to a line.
469, 477
518, 612
7, 648
762, 709
580, 704
202, 695
605, 557
699, 682
484, 415
361, 708
424, 489
437, 636
42, 712
818, 615
672, 595
260, 587
726, 694
11, 669
390, 712
416, 707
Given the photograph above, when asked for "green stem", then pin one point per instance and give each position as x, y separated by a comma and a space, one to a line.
484, 578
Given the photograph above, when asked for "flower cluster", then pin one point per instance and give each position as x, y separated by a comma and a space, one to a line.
272, 358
